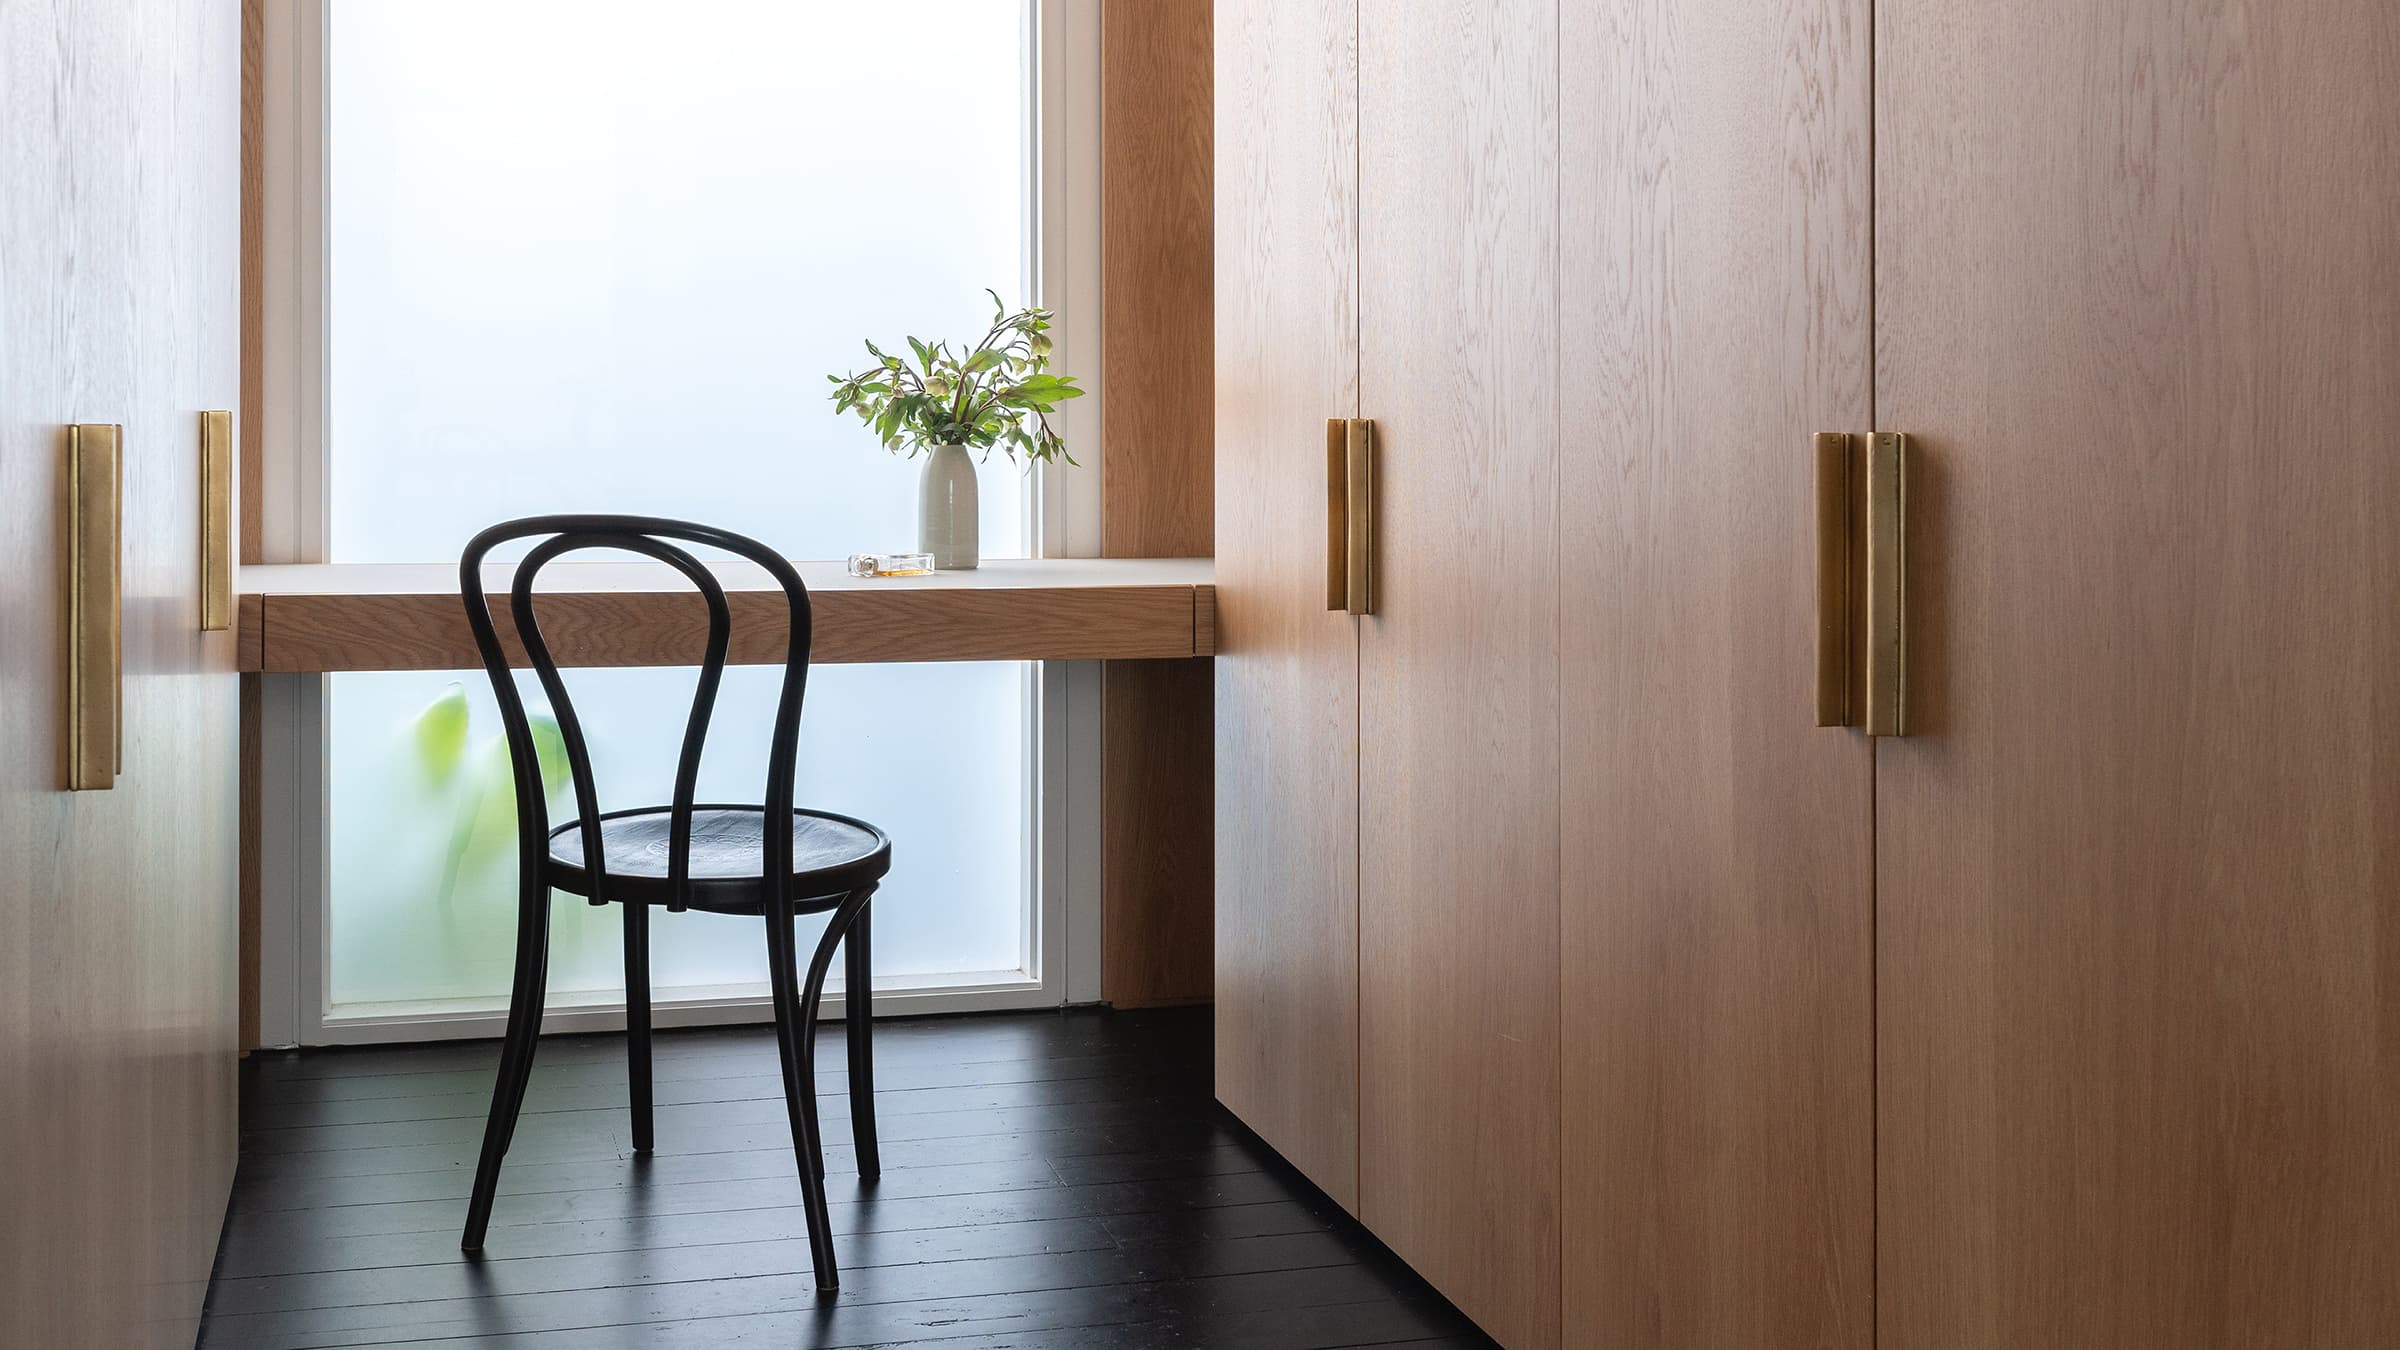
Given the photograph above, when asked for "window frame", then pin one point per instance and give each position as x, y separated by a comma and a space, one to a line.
1062, 935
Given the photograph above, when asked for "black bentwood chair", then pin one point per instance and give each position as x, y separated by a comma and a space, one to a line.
721, 859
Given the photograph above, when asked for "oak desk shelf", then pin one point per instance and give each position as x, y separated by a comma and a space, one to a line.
323, 617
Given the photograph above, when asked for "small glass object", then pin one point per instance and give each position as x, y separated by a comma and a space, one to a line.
890, 564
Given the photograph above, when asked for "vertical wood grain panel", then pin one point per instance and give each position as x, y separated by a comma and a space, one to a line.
1717, 896
120, 176
1286, 670
1156, 78
2138, 296
251, 753
1458, 668
1157, 859
1156, 75
249, 481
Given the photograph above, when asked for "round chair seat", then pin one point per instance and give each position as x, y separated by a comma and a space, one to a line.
832, 856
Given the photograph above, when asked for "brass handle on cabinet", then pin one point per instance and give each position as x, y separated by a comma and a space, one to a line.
1833, 479
1886, 600
95, 606
1359, 511
216, 521
1350, 515
1337, 513
1862, 616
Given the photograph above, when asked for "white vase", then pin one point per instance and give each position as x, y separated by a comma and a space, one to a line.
946, 510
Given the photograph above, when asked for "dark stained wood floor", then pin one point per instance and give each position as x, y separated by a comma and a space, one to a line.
1053, 1181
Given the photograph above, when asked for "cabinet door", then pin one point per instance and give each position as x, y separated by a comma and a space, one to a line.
1717, 894
119, 302
1286, 669
2138, 870
1458, 753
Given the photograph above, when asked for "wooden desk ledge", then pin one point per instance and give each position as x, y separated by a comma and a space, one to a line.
355, 616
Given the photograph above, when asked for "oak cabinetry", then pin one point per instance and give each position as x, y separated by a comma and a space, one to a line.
1716, 938
1287, 671
120, 177
1457, 673
2138, 881
1625, 1003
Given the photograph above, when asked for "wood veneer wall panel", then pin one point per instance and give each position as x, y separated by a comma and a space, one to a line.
1157, 74
1458, 668
120, 173
1155, 228
1717, 902
1286, 670
250, 638
2138, 303
252, 756
1157, 861
249, 479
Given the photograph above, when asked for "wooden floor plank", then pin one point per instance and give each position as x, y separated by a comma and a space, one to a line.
292, 1243
1056, 1181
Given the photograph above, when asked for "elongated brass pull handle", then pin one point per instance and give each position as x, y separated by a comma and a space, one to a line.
95, 605
1833, 458
1887, 585
1337, 513
216, 521
1359, 488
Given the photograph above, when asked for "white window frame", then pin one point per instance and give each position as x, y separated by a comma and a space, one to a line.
1063, 946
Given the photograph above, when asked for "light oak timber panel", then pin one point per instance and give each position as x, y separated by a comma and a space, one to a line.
418, 624
1204, 619
1155, 81
249, 479
1156, 78
120, 174
1717, 899
252, 754
1156, 856
2138, 863
249, 630
1458, 667
1286, 192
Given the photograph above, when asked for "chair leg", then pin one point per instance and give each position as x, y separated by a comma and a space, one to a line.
796, 1039
637, 1021
516, 1058
858, 1029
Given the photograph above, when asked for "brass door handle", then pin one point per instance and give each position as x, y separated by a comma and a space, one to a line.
1833, 493
1862, 611
1886, 601
1337, 513
1359, 486
216, 521
1350, 515
95, 606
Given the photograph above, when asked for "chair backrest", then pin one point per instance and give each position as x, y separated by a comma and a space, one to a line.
649, 537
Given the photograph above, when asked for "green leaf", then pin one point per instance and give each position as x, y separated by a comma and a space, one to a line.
550, 751
495, 817
441, 731
998, 394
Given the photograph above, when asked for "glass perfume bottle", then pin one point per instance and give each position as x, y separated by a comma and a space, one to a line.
890, 564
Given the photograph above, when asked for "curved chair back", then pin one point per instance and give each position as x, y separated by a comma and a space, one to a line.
648, 536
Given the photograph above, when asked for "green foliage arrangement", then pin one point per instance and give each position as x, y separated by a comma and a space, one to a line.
1000, 393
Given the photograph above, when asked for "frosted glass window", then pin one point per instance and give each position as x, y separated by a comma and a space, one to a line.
601, 256
424, 824
592, 256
